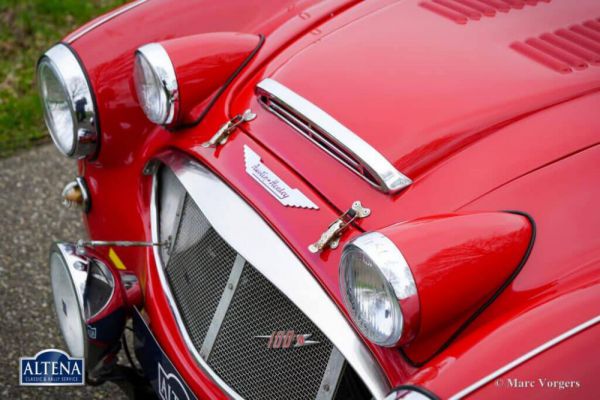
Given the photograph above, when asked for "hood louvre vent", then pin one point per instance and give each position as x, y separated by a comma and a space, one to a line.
331, 136
461, 11
565, 50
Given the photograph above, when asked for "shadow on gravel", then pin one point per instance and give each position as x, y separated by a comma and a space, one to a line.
31, 217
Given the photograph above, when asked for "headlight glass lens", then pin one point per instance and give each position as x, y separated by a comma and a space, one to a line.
150, 91
57, 107
68, 102
67, 306
370, 298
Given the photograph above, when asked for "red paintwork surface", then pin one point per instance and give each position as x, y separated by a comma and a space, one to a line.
578, 374
202, 65
463, 84
478, 126
558, 288
458, 263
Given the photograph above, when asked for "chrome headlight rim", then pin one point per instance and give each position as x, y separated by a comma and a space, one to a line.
92, 302
94, 266
76, 268
157, 59
398, 280
68, 70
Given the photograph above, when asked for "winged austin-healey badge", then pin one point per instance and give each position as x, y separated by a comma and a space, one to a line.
273, 184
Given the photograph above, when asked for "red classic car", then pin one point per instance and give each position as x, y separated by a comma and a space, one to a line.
333, 200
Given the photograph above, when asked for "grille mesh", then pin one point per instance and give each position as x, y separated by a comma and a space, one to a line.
198, 270
245, 362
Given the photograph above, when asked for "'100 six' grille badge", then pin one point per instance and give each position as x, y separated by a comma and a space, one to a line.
287, 339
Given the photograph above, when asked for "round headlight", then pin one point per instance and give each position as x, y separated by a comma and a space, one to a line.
378, 289
92, 302
68, 306
57, 106
69, 109
156, 83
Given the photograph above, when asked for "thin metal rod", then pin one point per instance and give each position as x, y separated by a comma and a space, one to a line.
119, 243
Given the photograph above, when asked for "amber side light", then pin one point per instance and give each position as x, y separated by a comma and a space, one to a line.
74, 195
460, 264
203, 64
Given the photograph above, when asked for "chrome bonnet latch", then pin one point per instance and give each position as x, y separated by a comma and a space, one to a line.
331, 237
228, 128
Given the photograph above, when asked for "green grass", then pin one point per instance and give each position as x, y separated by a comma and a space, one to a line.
27, 29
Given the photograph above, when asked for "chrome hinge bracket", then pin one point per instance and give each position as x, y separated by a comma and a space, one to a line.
82, 244
228, 128
331, 237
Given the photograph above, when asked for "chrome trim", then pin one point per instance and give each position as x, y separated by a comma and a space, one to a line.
106, 272
330, 135
332, 375
80, 271
81, 102
526, 357
265, 250
394, 268
171, 299
77, 268
223, 306
85, 194
222, 135
81, 243
77, 185
162, 67
407, 394
107, 17
331, 237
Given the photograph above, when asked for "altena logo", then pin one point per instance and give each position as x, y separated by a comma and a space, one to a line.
170, 387
51, 367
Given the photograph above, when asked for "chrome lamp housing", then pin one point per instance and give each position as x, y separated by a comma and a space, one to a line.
92, 302
379, 290
156, 83
69, 106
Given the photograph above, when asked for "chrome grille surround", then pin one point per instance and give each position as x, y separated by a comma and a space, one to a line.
224, 210
226, 305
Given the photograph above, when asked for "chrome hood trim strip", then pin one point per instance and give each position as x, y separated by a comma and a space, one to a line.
268, 254
526, 357
107, 17
362, 155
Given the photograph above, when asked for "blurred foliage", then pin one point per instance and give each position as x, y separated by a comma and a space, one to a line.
27, 29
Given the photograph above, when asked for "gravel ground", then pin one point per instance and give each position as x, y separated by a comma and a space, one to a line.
31, 217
